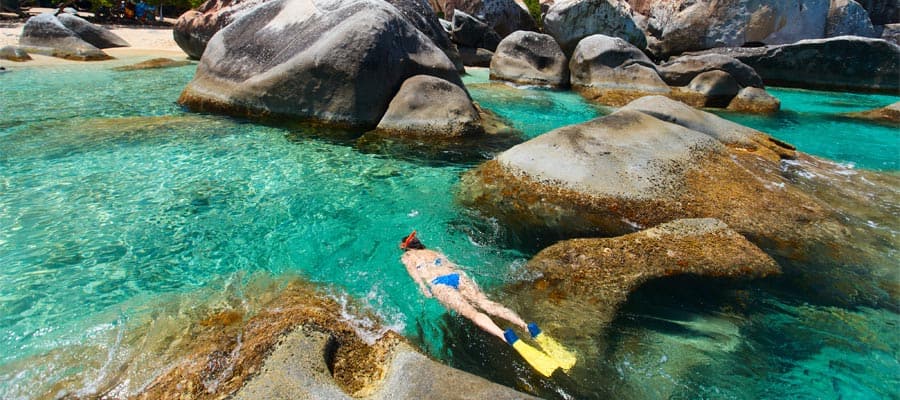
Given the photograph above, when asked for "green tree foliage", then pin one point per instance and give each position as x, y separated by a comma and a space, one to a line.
534, 8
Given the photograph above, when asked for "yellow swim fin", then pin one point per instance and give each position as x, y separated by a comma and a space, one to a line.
562, 355
541, 362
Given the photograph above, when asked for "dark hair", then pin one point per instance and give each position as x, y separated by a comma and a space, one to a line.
406, 243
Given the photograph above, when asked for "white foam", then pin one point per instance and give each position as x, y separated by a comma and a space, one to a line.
368, 329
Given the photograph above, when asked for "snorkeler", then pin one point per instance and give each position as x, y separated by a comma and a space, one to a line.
439, 278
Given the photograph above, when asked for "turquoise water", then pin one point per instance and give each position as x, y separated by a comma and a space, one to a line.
118, 208
811, 121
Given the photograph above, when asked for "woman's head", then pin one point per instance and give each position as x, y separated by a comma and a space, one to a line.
411, 242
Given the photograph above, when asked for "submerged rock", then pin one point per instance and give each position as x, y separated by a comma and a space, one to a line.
45, 34
887, 114
154, 64
429, 106
13, 53
569, 21
530, 58
96, 35
599, 274
355, 56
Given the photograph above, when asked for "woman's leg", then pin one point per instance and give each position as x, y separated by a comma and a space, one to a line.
473, 293
452, 299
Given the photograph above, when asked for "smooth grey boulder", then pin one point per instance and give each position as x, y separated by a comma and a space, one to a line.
754, 100
429, 106
476, 57
682, 70
45, 34
468, 31
13, 53
716, 87
613, 71
569, 21
882, 12
96, 35
502, 16
530, 58
194, 28
847, 17
422, 16
842, 63
353, 57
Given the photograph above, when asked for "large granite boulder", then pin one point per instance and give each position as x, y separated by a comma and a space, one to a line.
429, 106
503, 16
682, 70
194, 28
583, 282
882, 12
468, 31
841, 63
45, 34
13, 53
847, 17
96, 35
657, 161
715, 88
154, 63
674, 27
754, 100
612, 71
476, 57
354, 57
422, 16
569, 21
530, 58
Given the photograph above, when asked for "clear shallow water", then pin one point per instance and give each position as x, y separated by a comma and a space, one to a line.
116, 208
811, 121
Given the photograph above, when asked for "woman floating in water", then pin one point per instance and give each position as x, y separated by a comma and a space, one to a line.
438, 277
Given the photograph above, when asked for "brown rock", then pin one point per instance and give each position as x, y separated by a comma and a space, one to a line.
754, 100
154, 64
889, 114
13, 53
716, 87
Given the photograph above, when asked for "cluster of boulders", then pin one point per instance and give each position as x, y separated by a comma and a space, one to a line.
612, 71
477, 27
66, 36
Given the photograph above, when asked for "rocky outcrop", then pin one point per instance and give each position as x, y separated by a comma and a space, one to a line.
755, 101
889, 114
476, 57
530, 58
13, 53
502, 16
429, 106
155, 63
847, 17
194, 28
45, 34
612, 71
468, 31
98, 36
682, 70
569, 21
882, 12
597, 275
891, 33
354, 57
674, 27
843, 63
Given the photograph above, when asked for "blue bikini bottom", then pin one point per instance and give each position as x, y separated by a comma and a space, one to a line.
451, 280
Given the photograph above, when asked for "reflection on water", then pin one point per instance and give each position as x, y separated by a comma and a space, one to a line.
125, 223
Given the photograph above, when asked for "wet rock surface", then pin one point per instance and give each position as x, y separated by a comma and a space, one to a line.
155, 63
359, 54
429, 106
889, 114
530, 58
754, 100
45, 34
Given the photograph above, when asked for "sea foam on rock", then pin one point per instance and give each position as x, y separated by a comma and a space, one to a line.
348, 60
530, 58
